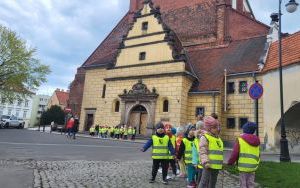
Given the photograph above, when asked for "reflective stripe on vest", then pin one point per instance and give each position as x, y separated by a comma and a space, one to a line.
248, 157
173, 141
160, 148
196, 142
188, 151
215, 152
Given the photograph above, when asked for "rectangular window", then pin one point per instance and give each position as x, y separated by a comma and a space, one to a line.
103, 91
9, 111
26, 103
17, 113
24, 114
243, 121
200, 111
230, 123
145, 26
243, 87
19, 102
142, 56
230, 88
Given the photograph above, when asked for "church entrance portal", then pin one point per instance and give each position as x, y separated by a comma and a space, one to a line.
139, 118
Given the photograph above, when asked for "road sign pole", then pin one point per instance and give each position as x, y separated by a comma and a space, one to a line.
256, 116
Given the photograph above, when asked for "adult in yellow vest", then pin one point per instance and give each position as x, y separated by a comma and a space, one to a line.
92, 131
161, 146
211, 153
185, 151
117, 132
246, 153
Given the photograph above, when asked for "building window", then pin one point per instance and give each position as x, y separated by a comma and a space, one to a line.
230, 123
26, 103
9, 111
3, 100
103, 91
243, 121
117, 106
19, 102
24, 114
166, 106
243, 87
142, 56
17, 113
200, 111
145, 26
230, 87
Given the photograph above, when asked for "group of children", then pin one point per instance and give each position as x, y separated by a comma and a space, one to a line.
198, 151
117, 132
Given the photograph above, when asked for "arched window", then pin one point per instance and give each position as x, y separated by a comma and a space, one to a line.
166, 106
117, 106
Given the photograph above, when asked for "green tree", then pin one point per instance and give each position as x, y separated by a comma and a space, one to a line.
20, 72
54, 113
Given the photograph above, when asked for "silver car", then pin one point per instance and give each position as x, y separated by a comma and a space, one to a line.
11, 121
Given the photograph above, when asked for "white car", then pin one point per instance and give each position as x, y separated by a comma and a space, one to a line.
11, 121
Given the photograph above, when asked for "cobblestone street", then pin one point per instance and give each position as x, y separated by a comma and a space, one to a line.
98, 174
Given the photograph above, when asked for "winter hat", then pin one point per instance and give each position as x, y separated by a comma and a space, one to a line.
190, 127
249, 128
160, 125
173, 130
199, 125
210, 122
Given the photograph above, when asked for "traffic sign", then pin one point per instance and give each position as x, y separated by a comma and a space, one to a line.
256, 91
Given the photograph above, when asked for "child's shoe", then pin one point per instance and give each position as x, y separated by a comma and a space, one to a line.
151, 180
191, 185
165, 182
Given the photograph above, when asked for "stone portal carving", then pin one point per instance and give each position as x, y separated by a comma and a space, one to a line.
139, 95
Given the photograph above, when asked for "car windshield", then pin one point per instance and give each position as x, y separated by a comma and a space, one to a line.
4, 117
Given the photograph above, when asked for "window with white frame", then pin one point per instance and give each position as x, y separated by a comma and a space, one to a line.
17, 113
9, 111
24, 114
26, 103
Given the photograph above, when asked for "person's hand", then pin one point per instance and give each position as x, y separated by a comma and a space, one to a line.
207, 166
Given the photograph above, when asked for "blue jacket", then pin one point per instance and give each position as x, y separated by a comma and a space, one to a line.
150, 143
195, 155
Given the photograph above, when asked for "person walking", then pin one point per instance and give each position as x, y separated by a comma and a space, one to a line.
246, 153
70, 126
211, 153
117, 132
133, 134
76, 127
161, 146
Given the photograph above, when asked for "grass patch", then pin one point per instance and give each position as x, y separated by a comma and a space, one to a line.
275, 175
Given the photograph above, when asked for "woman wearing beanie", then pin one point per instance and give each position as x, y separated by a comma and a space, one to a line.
211, 153
161, 149
185, 152
247, 155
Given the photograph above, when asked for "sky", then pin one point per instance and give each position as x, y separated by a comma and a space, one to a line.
66, 32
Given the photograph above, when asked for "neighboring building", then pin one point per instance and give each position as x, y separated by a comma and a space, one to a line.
168, 64
291, 91
59, 98
39, 105
19, 108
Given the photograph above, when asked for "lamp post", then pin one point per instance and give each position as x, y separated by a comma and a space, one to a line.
284, 149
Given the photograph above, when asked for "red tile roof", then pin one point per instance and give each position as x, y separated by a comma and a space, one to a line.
238, 56
290, 52
62, 97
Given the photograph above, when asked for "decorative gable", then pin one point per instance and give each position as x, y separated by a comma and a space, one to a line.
149, 40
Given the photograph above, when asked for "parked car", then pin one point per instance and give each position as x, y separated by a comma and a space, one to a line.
59, 128
11, 121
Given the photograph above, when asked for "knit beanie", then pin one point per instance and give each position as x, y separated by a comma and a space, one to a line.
160, 125
249, 128
189, 128
210, 122
173, 130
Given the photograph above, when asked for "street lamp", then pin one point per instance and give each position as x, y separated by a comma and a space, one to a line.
291, 7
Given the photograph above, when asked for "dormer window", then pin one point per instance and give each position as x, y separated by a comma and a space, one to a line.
145, 26
142, 56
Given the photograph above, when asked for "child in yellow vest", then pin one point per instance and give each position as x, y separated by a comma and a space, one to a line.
161, 146
211, 153
247, 155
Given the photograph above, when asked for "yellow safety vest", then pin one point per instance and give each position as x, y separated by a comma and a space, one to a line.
130, 131
160, 148
215, 152
125, 132
92, 129
117, 131
188, 151
173, 141
248, 157
196, 143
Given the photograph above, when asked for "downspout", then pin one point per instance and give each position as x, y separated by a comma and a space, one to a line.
214, 102
225, 91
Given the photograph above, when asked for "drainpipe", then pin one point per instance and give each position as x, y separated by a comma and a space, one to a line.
225, 91
214, 102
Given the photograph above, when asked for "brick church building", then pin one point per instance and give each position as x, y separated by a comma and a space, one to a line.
169, 60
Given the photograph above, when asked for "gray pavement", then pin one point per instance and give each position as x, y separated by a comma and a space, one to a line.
34, 159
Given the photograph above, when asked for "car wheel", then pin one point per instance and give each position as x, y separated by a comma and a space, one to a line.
6, 126
21, 126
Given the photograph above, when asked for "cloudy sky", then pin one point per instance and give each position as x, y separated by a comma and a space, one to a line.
66, 32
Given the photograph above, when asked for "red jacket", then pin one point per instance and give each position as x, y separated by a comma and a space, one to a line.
70, 123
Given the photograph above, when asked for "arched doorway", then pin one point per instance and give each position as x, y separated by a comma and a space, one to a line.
138, 117
292, 124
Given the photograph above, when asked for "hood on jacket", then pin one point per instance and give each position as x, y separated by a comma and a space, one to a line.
251, 139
